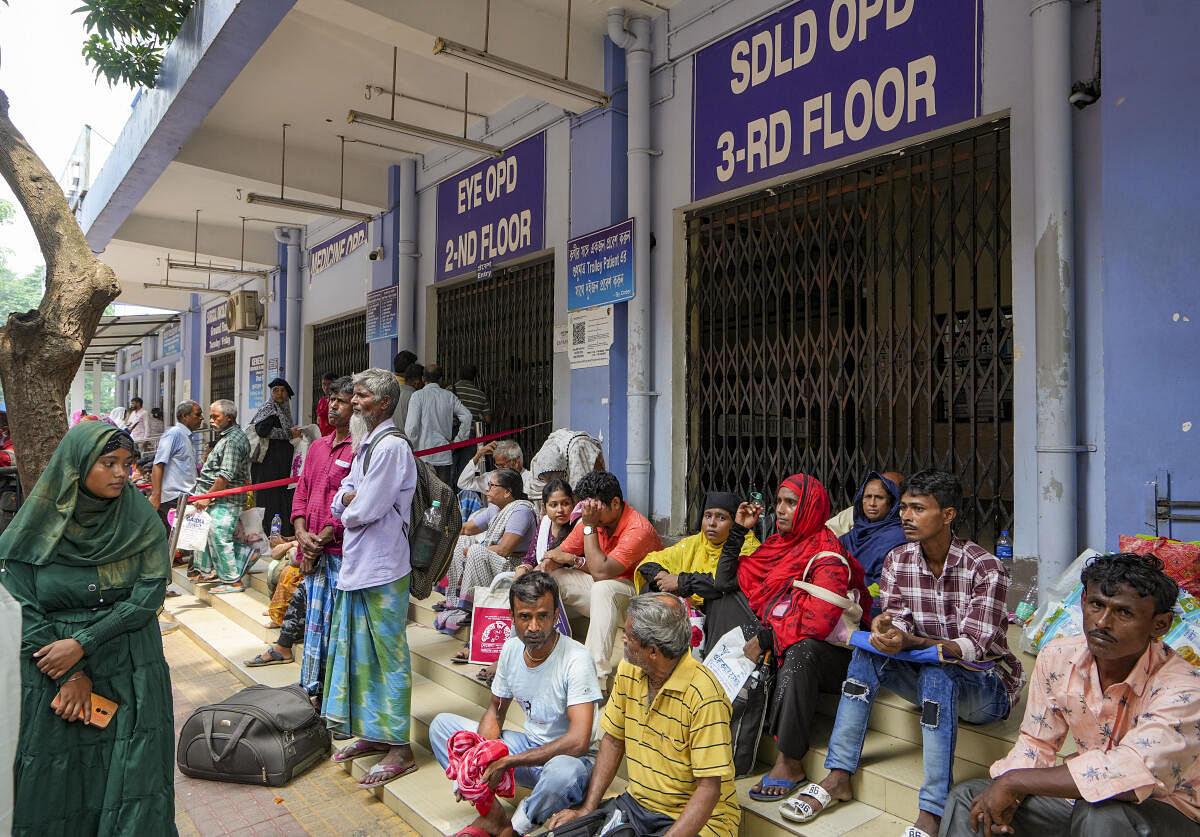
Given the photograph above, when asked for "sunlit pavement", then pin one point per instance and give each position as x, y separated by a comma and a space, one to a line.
324, 801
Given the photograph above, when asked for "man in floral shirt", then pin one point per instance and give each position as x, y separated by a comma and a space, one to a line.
1131, 704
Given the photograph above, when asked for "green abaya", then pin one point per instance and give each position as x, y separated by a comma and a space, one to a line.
94, 570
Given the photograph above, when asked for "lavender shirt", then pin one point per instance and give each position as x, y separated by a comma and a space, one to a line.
375, 546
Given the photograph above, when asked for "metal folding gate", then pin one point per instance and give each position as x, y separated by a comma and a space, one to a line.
339, 348
222, 377
858, 320
505, 327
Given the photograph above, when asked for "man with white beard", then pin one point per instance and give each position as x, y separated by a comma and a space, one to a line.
368, 687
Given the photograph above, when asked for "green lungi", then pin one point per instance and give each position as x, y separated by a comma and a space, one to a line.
368, 675
227, 556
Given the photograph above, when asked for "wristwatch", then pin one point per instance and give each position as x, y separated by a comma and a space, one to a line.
589, 530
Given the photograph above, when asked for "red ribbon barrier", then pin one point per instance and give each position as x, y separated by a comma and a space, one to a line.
242, 489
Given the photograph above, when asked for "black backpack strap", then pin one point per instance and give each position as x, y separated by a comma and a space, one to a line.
371, 447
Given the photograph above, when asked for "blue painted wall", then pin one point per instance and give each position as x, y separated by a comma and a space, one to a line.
1151, 119
599, 198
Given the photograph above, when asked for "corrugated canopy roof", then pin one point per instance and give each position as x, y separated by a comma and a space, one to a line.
116, 332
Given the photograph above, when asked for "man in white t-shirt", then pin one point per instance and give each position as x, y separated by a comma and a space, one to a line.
553, 679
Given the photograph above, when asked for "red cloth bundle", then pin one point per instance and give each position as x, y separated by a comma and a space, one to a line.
1181, 561
469, 755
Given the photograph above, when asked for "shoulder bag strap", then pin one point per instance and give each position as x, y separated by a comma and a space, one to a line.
823, 593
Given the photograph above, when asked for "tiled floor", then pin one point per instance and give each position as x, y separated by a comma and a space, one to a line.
324, 801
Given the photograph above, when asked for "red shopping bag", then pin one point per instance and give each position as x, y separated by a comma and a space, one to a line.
491, 620
1181, 560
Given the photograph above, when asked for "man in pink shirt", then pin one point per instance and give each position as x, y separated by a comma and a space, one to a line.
594, 565
1131, 704
319, 536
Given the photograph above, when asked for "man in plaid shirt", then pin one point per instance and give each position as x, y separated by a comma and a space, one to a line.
938, 592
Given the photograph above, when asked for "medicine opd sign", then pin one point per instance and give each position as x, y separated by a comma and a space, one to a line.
493, 211
824, 79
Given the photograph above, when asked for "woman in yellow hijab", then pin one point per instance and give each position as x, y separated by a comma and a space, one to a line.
687, 568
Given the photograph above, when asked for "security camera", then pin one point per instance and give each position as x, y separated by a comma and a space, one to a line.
376, 254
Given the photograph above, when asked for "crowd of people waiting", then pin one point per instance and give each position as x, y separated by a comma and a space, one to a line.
86, 559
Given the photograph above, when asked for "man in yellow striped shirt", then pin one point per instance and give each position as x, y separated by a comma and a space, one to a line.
669, 717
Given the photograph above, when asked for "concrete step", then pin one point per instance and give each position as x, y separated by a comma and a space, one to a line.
246, 609
227, 641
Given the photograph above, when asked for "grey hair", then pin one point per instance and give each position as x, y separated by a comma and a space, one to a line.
227, 408
509, 449
662, 622
184, 409
380, 383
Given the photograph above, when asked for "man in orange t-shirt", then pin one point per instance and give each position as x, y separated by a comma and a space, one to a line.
594, 565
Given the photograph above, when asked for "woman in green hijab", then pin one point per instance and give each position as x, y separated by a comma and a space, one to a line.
86, 557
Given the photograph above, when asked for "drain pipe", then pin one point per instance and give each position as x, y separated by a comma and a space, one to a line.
633, 36
1054, 291
289, 364
406, 255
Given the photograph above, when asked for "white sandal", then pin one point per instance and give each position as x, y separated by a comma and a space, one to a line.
796, 809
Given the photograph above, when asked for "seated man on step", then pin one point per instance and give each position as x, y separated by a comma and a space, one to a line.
938, 591
1130, 703
552, 679
669, 716
594, 566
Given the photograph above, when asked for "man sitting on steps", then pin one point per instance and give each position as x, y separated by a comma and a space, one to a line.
938, 591
594, 565
1131, 705
552, 678
669, 718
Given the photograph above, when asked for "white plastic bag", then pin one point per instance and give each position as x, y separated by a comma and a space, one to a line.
1057, 594
193, 534
249, 530
731, 667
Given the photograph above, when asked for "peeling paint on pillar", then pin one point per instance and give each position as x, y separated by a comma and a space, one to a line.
1053, 490
1054, 319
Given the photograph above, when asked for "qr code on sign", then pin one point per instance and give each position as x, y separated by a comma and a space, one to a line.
578, 334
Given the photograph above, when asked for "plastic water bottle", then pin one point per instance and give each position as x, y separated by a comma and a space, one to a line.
276, 525
1004, 547
1027, 607
425, 538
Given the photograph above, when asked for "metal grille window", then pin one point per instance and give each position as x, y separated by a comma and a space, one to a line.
505, 327
222, 377
858, 320
339, 348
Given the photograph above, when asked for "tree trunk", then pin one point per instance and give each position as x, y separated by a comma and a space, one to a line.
41, 350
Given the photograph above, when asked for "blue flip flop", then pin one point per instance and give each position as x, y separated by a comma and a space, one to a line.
767, 782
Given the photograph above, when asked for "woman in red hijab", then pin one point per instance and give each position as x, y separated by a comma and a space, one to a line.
786, 621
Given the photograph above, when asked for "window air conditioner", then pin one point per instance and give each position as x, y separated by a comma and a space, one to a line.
243, 313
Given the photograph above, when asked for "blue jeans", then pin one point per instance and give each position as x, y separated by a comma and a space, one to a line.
559, 783
944, 693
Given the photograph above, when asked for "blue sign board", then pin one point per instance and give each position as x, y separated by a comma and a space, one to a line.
172, 339
494, 211
216, 329
331, 251
257, 389
483, 271
383, 306
825, 79
600, 267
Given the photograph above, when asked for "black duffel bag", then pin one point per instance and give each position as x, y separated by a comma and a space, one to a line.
259, 736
